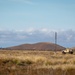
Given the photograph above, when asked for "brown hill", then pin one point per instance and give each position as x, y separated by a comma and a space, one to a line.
73, 48
38, 46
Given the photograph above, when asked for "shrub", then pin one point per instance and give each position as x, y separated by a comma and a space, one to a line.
48, 63
28, 61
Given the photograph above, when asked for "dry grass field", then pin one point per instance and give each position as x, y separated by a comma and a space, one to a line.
20, 62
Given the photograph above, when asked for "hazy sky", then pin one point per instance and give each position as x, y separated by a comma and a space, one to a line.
18, 17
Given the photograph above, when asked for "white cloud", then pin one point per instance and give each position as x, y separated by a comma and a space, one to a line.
69, 38
31, 35
45, 30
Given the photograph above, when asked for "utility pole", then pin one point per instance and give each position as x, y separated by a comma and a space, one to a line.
55, 41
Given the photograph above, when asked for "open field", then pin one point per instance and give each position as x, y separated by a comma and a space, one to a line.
20, 62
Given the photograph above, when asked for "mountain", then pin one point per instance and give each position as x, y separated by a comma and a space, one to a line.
38, 46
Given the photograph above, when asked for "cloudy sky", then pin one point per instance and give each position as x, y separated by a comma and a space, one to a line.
31, 21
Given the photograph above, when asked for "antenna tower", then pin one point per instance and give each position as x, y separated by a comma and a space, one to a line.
55, 41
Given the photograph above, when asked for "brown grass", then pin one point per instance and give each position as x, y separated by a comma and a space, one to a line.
20, 62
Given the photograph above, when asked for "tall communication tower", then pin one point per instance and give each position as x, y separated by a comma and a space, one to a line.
55, 41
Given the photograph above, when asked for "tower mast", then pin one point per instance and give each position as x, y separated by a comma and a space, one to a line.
55, 41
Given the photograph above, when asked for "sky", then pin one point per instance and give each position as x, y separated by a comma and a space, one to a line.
30, 21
